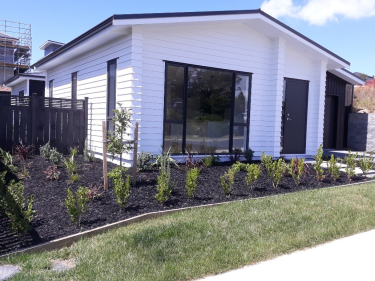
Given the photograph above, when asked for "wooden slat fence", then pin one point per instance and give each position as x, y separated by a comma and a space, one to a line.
37, 120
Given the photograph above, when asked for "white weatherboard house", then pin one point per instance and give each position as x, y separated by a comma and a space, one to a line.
201, 81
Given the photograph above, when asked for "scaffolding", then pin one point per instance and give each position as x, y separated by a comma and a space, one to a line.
15, 48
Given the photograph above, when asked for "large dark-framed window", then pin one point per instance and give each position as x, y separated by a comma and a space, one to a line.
50, 88
74, 85
111, 92
21, 93
206, 110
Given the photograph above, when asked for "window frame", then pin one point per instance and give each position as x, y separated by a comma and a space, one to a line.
21, 93
75, 81
108, 117
183, 122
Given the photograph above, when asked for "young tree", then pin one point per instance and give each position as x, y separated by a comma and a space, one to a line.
121, 122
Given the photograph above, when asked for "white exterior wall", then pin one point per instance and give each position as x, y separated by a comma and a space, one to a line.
22, 86
92, 82
141, 74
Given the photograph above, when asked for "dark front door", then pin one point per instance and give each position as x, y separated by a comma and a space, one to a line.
295, 116
330, 122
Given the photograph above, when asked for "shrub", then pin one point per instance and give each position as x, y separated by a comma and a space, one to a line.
95, 192
143, 160
366, 163
13, 202
351, 162
121, 122
52, 173
235, 156
88, 153
265, 159
74, 177
318, 163
227, 180
22, 151
211, 160
55, 156
163, 188
240, 166
6, 158
192, 162
249, 154
296, 169
70, 165
121, 185
77, 204
274, 169
191, 181
45, 150
253, 172
333, 168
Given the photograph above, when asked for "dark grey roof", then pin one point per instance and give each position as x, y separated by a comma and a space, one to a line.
27, 75
353, 74
108, 22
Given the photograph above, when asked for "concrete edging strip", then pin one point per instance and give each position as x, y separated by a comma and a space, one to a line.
69, 240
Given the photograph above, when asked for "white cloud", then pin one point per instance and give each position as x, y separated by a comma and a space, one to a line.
320, 11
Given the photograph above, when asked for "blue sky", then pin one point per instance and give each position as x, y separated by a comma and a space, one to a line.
345, 27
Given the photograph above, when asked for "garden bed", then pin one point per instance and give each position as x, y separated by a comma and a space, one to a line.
54, 222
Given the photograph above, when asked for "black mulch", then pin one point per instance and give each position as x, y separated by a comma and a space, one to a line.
53, 221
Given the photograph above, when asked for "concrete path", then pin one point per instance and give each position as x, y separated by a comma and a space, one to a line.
350, 258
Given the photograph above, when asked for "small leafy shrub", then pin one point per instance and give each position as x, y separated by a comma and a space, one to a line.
74, 177
77, 203
249, 154
22, 151
144, 160
52, 173
13, 202
163, 188
88, 153
296, 169
318, 163
163, 159
121, 185
240, 166
191, 181
274, 169
351, 162
95, 192
211, 160
366, 163
265, 159
235, 156
192, 162
227, 180
164, 185
7, 159
333, 168
55, 157
253, 172
45, 150
70, 165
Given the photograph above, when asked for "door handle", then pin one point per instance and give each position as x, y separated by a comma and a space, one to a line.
288, 119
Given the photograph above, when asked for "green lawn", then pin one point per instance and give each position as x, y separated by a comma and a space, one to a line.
200, 242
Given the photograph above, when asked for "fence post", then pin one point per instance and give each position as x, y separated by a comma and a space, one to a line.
34, 123
105, 173
135, 154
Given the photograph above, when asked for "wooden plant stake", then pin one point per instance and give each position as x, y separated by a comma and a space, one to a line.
105, 172
135, 153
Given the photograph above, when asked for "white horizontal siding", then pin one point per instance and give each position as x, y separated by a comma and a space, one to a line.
22, 86
92, 82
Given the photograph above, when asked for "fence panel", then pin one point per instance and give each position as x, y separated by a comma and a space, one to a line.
38, 120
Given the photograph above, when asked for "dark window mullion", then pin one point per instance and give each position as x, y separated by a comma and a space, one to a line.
184, 115
233, 95
248, 111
